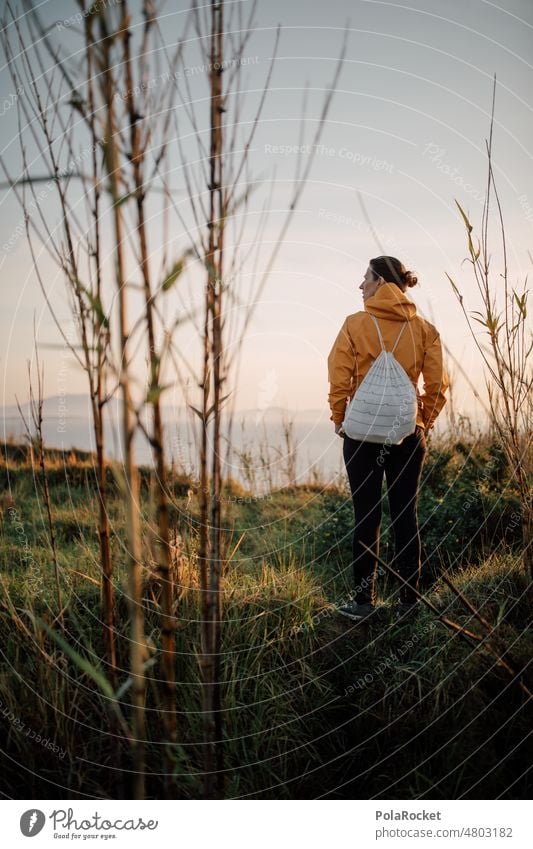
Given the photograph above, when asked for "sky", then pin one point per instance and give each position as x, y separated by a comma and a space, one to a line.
405, 132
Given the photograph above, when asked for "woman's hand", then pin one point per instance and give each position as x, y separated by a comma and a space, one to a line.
339, 430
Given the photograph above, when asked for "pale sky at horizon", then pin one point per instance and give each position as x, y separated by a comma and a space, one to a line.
406, 129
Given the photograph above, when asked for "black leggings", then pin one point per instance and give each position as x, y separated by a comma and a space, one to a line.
365, 463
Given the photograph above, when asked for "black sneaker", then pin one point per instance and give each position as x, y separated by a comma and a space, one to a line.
405, 610
356, 612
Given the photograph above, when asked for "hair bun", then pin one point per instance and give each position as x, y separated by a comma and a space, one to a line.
392, 271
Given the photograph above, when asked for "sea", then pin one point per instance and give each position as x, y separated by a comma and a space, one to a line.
260, 449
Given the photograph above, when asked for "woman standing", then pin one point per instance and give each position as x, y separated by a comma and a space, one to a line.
419, 351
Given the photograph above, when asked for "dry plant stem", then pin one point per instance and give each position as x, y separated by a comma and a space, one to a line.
223, 201
98, 391
98, 386
36, 410
469, 636
46, 493
218, 215
209, 542
288, 433
468, 604
168, 625
36, 413
93, 337
509, 376
131, 493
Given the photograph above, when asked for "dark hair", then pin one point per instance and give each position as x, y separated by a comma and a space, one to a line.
393, 271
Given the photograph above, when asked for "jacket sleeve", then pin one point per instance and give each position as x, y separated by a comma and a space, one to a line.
436, 380
341, 367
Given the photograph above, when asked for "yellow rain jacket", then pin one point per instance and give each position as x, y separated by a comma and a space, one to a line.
357, 345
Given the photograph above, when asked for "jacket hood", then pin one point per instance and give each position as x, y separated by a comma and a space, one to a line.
390, 302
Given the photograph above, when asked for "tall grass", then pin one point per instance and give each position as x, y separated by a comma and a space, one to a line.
504, 318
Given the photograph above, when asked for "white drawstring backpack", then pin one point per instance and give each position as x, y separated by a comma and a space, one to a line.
384, 406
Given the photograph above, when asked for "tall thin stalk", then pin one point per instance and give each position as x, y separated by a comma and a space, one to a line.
36, 438
99, 383
507, 360
228, 192
168, 621
209, 543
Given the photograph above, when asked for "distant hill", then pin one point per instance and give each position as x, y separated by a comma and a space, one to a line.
79, 407
67, 424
